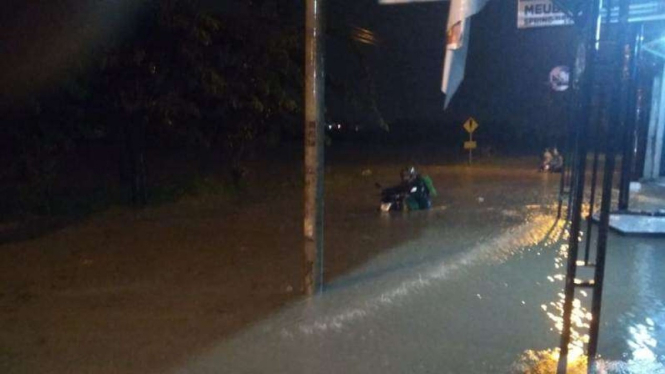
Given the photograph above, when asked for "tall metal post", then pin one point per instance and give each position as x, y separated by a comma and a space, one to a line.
572, 182
591, 26
562, 185
594, 173
632, 119
314, 143
592, 199
601, 250
567, 160
618, 120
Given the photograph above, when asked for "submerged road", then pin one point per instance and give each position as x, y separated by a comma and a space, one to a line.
478, 290
201, 286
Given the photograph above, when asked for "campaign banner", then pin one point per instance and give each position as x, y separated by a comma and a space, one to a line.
540, 13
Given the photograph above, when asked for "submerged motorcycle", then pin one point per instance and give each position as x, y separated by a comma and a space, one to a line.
392, 199
415, 196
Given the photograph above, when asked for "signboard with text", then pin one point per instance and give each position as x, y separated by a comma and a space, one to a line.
544, 13
540, 13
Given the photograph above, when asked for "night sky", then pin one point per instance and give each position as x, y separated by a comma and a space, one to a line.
42, 40
507, 69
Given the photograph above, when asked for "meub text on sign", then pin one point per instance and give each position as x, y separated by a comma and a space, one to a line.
540, 13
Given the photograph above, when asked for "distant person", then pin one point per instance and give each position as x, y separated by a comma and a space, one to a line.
556, 165
546, 160
419, 188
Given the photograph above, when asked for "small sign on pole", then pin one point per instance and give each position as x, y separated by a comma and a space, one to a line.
470, 126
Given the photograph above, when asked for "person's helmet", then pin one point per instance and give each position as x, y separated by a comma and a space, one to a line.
408, 173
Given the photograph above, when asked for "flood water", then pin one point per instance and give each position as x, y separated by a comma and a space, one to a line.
478, 289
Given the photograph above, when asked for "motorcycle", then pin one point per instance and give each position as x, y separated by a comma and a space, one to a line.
394, 199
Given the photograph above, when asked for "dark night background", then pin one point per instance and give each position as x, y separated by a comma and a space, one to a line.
505, 87
111, 87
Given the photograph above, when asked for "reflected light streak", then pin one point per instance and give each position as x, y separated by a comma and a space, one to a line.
546, 361
510, 243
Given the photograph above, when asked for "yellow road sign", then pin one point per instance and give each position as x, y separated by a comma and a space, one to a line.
470, 125
470, 145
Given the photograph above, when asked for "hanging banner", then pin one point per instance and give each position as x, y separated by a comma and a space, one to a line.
455, 36
540, 13
457, 44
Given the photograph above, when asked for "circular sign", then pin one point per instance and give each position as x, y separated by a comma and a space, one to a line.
560, 78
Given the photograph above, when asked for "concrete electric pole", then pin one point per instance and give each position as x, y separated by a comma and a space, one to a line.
314, 143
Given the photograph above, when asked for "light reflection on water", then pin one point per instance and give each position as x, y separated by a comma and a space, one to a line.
537, 231
640, 330
545, 361
645, 319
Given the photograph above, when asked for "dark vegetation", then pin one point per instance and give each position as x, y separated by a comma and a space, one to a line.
178, 101
184, 79
191, 87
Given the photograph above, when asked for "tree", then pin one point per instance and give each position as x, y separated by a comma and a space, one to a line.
211, 80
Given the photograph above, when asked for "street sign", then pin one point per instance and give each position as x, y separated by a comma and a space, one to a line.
545, 13
470, 125
560, 78
540, 13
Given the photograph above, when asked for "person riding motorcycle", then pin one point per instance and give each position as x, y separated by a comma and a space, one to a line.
414, 192
552, 161
417, 189
556, 165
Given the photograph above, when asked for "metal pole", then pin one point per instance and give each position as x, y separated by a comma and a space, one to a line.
592, 29
572, 150
314, 143
572, 183
601, 250
561, 188
470, 149
630, 135
596, 151
592, 199
619, 121
567, 161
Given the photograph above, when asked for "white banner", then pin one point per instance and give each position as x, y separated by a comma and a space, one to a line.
540, 13
457, 44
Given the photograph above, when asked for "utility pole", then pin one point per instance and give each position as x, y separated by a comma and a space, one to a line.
314, 143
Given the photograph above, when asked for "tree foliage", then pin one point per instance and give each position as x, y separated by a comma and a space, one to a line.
209, 78
183, 74
205, 79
